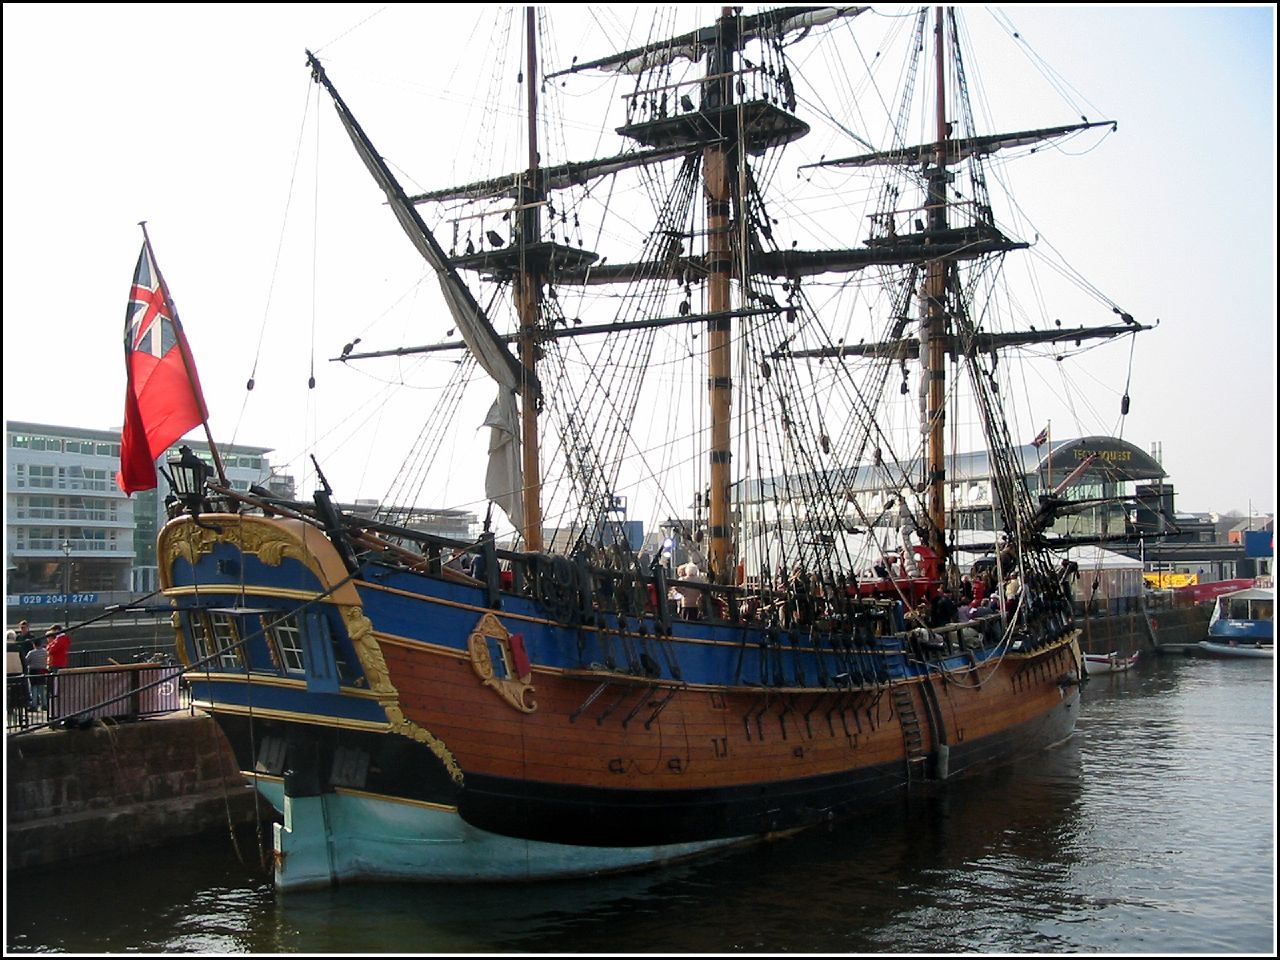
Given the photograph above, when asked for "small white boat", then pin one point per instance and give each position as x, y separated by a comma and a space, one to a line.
1096, 664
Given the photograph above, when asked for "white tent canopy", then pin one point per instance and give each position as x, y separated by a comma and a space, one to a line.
1094, 557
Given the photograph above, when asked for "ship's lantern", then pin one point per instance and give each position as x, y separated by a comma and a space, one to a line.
187, 474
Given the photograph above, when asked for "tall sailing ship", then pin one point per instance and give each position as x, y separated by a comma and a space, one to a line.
424, 708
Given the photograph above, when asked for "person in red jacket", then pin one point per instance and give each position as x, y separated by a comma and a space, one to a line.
59, 647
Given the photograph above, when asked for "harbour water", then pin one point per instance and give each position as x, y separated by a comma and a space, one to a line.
1152, 831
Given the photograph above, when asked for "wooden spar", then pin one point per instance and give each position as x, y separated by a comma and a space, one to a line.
594, 329
717, 159
907, 347
933, 325
528, 294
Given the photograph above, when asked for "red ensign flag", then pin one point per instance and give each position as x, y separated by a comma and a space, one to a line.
163, 400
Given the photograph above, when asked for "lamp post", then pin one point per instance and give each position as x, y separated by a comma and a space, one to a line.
66, 581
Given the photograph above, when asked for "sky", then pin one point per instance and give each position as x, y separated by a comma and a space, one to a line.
202, 121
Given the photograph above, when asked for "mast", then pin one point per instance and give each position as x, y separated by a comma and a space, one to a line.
933, 327
528, 299
718, 158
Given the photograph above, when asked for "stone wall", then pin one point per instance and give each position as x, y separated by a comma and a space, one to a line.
1122, 633
1167, 629
117, 788
1177, 628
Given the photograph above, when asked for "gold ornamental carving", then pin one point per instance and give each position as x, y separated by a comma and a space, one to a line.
515, 684
269, 542
360, 630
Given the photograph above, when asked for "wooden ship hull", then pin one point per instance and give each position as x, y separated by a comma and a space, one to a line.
410, 726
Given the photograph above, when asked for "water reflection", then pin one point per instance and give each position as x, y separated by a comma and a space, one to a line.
1151, 830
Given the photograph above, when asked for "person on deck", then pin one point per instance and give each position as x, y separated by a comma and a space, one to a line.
945, 609
1069, 574
690, 597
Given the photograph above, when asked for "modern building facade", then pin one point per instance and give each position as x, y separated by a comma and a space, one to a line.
1098, 473
1120, 496
72, 538
68, 528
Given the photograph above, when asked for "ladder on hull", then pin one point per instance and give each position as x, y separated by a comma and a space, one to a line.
917, 758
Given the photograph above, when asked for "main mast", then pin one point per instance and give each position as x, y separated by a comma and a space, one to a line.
718, 161
528, 300
933, 327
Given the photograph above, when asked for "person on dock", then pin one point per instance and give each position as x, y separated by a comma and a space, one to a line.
26, 640
17, 692
59, 646
25, 636
36, 666
58, 643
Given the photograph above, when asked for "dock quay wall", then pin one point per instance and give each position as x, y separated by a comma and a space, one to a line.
1122, 633
1180, 629
1166, 629
111, 789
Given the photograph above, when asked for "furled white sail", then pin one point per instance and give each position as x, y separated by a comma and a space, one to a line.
691, 46
503, 480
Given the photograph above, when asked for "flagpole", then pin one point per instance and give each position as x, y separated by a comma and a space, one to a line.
186, 358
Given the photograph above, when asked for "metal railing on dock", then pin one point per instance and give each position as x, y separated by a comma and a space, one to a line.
116, 692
